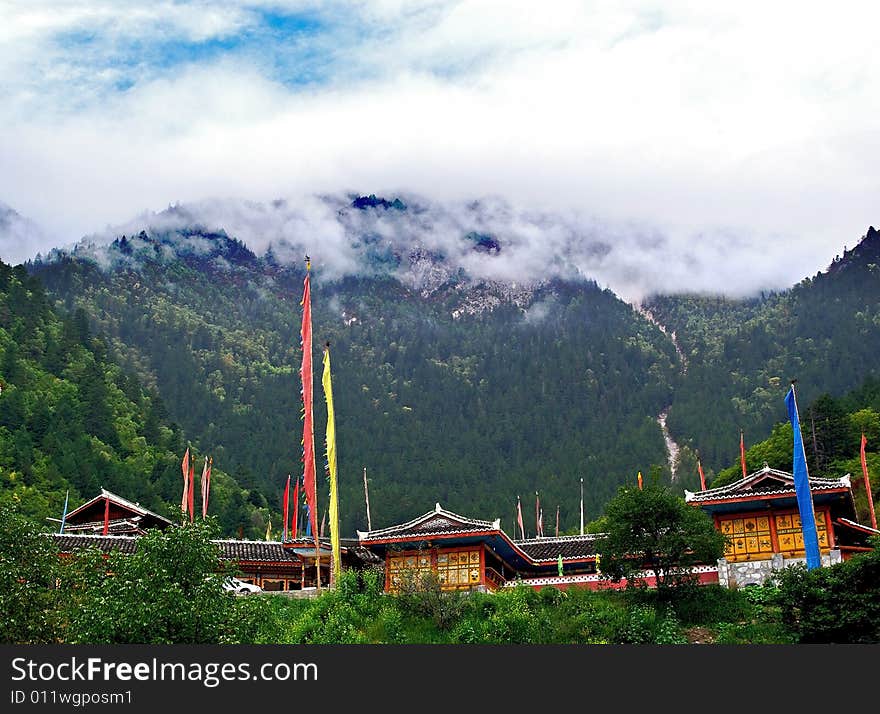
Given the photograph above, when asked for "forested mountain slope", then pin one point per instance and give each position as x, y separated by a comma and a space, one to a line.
468, 393
742, 354
70, 418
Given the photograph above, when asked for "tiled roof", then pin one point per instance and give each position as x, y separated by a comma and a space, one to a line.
436, 522
68, 543
751, 486
266, 551
549, 549
269, 551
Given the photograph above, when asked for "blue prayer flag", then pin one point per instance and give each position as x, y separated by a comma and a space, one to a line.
802, 486
64, 515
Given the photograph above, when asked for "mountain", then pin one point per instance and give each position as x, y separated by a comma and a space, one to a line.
16, 234
460, 375
741, 355
72, 419
449, 387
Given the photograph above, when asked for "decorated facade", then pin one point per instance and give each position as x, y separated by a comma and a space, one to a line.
760, 517
468, 554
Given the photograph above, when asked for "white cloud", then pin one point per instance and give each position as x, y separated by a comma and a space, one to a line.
747, 124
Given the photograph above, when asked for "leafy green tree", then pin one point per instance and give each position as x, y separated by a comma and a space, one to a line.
28, 569
168, 592
653, 529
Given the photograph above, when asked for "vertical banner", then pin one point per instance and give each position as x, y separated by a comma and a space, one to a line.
294, 518
184, 465
308, 418
868, 484
331, 465
192, 491
802, 486
742, 453
286, 510
208, 486
702, 476
64, 515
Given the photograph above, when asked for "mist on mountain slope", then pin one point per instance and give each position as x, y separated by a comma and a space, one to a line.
425, 243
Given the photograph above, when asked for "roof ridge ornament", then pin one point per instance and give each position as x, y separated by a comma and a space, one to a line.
437, 507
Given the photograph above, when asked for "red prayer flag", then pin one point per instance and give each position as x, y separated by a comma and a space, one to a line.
206, 488
702, 476
106, 516
185, 468
640, 480
295, 517
742, 453
868, 485
307, 390
192, 491
519, 518
286, 509
205, 476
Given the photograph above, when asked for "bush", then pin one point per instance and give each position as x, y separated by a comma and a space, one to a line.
28, 568
839, 604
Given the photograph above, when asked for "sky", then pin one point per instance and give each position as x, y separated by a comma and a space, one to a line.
710, 147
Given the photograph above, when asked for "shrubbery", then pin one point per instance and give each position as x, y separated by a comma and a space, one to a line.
839, 604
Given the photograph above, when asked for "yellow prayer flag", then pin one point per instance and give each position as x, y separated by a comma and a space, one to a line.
331, 463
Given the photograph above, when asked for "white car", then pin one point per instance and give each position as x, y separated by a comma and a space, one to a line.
239, 587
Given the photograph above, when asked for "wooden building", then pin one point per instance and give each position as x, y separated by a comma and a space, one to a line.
272, 565
109, 522
760, 517
109, 514
469, 554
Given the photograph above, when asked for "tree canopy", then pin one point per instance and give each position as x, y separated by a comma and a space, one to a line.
652, 529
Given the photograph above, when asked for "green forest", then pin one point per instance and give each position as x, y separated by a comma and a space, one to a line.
742, 354
470, 412
73, 420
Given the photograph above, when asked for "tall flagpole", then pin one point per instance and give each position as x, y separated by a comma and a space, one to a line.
367, 500
582, 506
537, 515
802, 485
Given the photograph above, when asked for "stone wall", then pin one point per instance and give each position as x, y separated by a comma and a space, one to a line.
755, 572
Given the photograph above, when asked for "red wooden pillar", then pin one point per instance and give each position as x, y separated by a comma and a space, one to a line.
106, 516
774, 538
829, 528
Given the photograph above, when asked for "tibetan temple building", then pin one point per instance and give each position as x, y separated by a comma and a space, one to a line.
471, 554
760, 516
109, 522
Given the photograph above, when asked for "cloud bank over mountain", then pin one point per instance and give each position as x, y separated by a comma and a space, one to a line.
732, 147
426, 242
